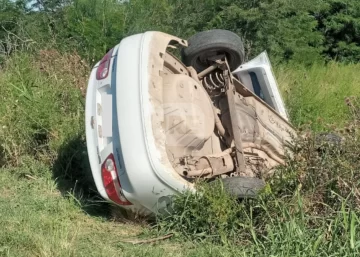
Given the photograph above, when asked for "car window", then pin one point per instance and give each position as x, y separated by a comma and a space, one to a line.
256, 85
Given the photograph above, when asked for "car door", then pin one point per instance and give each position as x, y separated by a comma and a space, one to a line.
257, 76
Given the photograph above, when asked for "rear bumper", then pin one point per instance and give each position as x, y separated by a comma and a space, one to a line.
92, 141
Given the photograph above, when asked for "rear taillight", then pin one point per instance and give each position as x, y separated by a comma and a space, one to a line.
111, 181
104, 66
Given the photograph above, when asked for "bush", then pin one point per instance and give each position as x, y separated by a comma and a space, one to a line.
210, 213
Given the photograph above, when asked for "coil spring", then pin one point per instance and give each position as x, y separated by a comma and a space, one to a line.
214, 82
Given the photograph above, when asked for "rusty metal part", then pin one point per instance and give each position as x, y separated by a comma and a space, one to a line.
230, 92
265, 149
214, 81
245, 92
193, 74
218, 124
218, 63
218, 81
173, 64
213, 165
260, 129
198, 173
207, 70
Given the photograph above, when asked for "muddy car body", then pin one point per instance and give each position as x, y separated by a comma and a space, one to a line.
154, 124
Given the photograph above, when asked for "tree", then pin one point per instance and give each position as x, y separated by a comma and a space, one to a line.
339, 21
302, 31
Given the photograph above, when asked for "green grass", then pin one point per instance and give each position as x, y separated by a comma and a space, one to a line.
48, 206
317, 94
37, 220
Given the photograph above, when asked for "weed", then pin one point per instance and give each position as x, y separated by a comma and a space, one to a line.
209, 213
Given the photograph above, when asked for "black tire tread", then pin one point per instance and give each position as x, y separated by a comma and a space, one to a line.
243, 187
217, 39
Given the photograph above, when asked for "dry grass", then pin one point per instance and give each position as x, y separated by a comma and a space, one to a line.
64, 65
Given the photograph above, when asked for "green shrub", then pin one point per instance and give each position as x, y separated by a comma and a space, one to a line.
210, 213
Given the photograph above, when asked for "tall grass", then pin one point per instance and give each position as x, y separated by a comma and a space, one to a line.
42, 116
316, 94
41, 105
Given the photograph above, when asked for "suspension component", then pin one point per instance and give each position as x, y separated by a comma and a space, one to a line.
212, 165
214, 82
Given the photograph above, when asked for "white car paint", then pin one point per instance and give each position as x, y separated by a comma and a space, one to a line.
260, 69
145, 182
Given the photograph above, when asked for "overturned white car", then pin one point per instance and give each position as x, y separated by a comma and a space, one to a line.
154, 123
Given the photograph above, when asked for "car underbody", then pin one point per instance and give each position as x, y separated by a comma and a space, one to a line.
209, 123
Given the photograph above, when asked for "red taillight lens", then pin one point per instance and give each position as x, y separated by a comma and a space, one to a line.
111, 181
104, 66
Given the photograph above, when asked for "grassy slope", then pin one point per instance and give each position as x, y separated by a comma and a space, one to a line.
317, 94
46, 210
36, 220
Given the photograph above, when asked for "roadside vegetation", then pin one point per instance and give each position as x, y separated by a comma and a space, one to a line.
48, 205
309, 208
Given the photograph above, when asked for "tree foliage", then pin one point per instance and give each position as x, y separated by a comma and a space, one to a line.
302, 31
339, 23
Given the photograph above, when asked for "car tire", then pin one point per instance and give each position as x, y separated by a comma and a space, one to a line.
243, 187
210, 43
330, 138
325, 140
